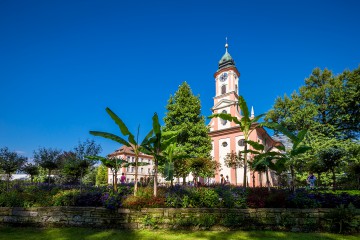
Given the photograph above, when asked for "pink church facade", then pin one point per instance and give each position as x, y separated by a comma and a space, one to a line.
226, 137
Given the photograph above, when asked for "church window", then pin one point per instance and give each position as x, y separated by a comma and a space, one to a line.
223, 121
241, 142
223, 89
224, 144
236, 88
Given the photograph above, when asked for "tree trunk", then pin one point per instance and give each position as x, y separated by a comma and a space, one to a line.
49, 176
334, 179
81, 176
136, 175
267, 179
155, 177
184, 180
245, 166
292, 183
253, 179
260, 179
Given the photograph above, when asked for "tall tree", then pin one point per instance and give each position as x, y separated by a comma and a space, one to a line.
184, 115
326, 104
133, 143
48, 159
246, 125
10, 162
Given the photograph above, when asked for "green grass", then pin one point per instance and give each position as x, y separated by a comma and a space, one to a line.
92, 234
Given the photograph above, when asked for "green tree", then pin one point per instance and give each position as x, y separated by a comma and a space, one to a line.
48, 159
326, 104
184, 115
203, 167
133, 143
81, 160
331, 158
114, 164
10, 162
246, 125
31, 169
101, 175
172, 155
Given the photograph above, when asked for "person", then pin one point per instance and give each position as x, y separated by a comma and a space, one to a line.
222, 179
227, 180
311, 180
123, 178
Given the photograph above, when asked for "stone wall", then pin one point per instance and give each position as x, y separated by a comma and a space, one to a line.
274, 218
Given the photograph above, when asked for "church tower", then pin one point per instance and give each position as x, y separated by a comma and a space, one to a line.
226, 91
226, 137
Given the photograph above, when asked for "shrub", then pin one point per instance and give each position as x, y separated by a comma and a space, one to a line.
66, 197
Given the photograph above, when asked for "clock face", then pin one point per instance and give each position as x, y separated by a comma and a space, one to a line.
223, 77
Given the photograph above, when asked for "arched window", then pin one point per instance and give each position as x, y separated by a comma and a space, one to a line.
236, 89
223, 122
223, 89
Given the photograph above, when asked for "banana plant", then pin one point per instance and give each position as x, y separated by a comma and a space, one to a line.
155, 143
265, 159
171, 154
246, 123
297, 148
131, 142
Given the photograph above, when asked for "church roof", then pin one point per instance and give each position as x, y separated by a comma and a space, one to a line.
226, 60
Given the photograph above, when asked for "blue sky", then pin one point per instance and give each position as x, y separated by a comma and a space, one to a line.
63, 62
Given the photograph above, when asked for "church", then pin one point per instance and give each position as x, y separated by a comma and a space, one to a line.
226, 137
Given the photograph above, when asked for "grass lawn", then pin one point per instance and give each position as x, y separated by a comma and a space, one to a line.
11, 233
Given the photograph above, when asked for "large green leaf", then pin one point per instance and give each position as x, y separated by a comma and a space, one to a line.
110, 136
280, 128
156, 125
244, 108
255, 145
124, 130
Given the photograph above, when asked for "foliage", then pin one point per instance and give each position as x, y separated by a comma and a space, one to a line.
150, 221
10, 162
31, 169
131, 142
66, 197
326, 104
145, 198
155, 143
344, 219
48, 159
184, 115
75, 164
101, 175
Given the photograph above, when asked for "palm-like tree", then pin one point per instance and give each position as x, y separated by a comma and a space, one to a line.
155, 143
246, 123
131, 142
265, 159
297, 148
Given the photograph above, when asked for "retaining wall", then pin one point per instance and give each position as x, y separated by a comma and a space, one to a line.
269, 218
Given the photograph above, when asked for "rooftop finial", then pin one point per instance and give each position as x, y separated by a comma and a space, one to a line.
226, 44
